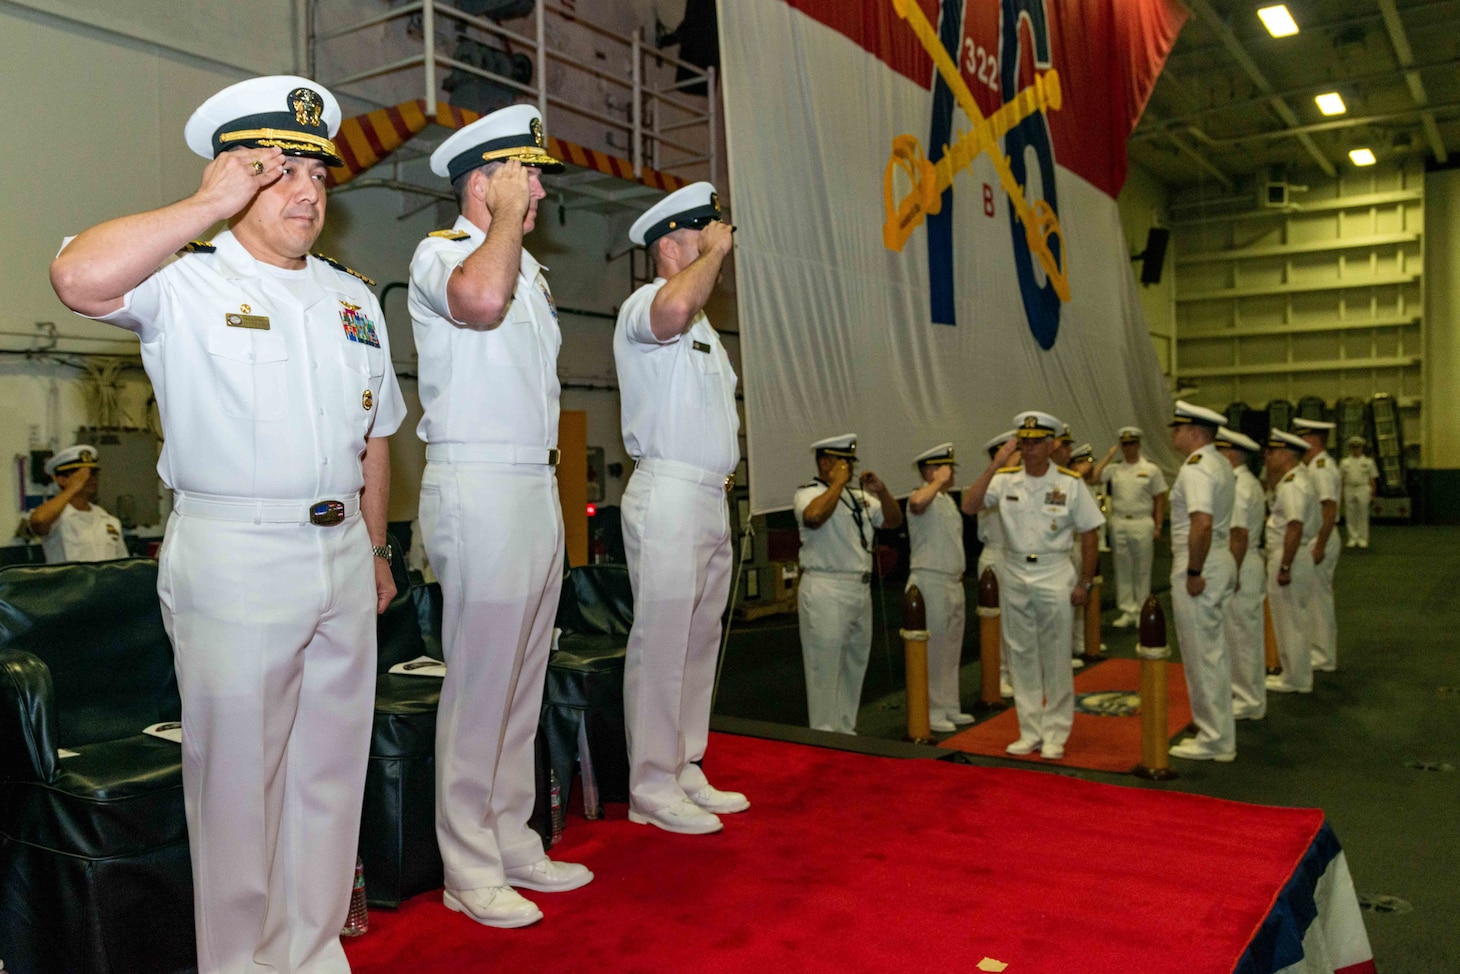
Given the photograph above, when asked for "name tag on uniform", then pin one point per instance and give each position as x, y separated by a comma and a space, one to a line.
257, 322
701, 347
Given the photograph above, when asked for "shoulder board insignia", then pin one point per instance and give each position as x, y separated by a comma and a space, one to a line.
1014, 469
199, 247
1195, 458
1067, 472
1322, 462
1289, 478
341, 267
449, 234
812, 484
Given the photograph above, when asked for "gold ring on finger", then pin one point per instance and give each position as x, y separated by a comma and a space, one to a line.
258, 167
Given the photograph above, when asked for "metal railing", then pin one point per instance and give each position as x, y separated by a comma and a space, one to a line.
664, 129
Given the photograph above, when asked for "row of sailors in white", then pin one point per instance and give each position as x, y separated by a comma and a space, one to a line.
70, 524
1042, 509
1360, 480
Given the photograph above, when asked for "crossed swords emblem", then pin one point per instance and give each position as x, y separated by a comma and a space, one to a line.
930, 180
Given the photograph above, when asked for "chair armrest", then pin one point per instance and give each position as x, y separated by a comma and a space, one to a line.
27, 718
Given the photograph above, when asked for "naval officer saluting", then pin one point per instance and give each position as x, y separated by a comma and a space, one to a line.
71, 525
935, 532
838, 524
680, 426
1044, 510
487, 336
276, 394
1137, 508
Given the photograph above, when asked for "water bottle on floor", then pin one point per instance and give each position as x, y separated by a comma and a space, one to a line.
359, 919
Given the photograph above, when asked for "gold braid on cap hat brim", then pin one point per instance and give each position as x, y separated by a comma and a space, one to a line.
526, 154
285, 140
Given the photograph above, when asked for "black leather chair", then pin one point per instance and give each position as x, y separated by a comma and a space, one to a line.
94, 869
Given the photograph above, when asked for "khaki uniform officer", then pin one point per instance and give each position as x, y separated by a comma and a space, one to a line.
1082, 462
276, 393
71, 525
1042, 508
1243, 627
1360, 476
834, 601
1137, 509
1293, 521
991, 535
487, 337
935, 531
680, 425
1327, 484
1203, 576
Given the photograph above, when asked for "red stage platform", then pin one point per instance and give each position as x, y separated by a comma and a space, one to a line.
849, 863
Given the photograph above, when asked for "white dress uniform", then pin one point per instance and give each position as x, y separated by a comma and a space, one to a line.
89, 535
937, 563
1358, 475
268, 383
1244, 629
834, 603
680, 425
1205, 484
1293, 500
991, 555
1323, 472
1041, 517
1133, 488
493, 529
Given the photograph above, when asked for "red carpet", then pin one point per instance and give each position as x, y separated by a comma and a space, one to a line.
847, 863
1097, 742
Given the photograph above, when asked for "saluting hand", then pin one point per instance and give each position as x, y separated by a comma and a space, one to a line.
509, 191
942, 474
1006, 450
841, 472
234, 178
715, 238
873, 483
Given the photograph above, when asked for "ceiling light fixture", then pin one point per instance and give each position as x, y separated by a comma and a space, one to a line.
1331, 103
1362, 157
1278, 21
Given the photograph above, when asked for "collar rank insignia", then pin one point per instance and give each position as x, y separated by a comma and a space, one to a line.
358, 326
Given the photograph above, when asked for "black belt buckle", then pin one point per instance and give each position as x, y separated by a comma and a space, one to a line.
1033, 558
866, 578
554, 454
327, 513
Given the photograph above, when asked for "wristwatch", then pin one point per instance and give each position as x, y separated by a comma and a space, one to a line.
1193, 573
382, 551
1087, 586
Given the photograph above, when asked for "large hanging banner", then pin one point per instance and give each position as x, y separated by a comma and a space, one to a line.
928, 236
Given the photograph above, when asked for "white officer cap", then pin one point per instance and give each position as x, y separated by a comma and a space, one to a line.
992, 446
1233, 440
1281, 438
1304, 427
1131, 434
514, 132
1082, 452
1357, 441
280, 111
1186, 414
844, 445
938, 455
71, 459
691, 208
1034, 425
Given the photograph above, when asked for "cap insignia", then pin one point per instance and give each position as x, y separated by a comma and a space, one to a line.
87, 456
536, 128
1031, 423
307, 105
715, 201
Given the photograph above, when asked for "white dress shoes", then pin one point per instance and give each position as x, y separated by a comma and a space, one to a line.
684, 817
1276, 684
1190, 750
1052, 752
1124, 621
493, 906
1006, 689
1077, 663
718, 802
1022, 746
961, 719
547, 876
942, 725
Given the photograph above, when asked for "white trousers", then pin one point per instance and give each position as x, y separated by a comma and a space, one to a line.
677, 538
1132, 547
1246, 641
947, 616
835, 618
1323, 623
1291, 610
494, 536
273, 634
992, 557
1356, 514
1034, 606
1204, 659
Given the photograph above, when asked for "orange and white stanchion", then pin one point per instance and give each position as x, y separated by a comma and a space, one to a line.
1092, 652
1269, 642
915, 656
1153, 651
989, 645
